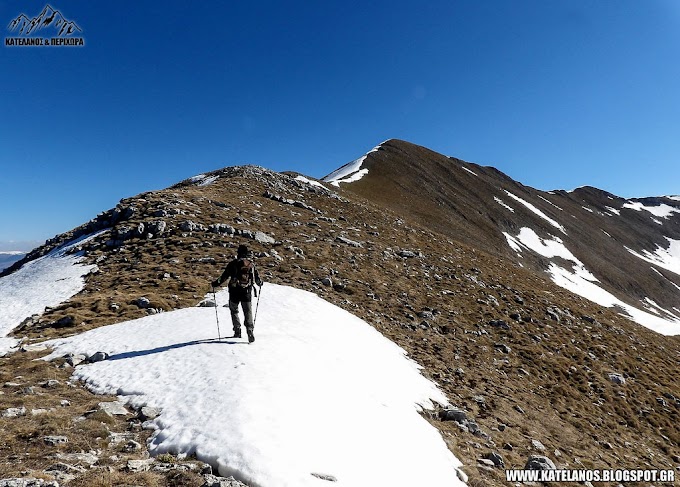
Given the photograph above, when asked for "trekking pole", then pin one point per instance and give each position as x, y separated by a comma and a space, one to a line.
217, 316
259, 297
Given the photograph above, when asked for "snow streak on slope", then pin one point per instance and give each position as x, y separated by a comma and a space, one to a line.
46, 281
547, 248
320, 391
537, 211
502, 203
469, 170
550, 202
667, 258
350, 172
589, 290
662, 211
581, 281
310, 181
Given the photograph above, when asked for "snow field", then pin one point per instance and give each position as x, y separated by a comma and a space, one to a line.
320, 391
47, 281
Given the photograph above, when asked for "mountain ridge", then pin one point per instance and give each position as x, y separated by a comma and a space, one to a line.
474, 206
522, 359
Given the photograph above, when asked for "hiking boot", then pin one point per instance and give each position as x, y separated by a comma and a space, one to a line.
237, 334
251, 337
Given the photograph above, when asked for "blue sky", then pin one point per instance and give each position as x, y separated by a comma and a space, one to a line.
557, 94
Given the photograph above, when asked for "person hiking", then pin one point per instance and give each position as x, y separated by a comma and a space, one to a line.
241, 275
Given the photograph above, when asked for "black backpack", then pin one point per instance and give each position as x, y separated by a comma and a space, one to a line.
244, 273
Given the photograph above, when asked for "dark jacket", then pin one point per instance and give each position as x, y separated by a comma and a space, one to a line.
230, 276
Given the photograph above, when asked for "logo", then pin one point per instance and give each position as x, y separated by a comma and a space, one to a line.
49, 22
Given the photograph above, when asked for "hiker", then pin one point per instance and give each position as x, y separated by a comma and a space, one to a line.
241, 275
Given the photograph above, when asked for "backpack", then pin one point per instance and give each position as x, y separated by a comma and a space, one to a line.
244, 274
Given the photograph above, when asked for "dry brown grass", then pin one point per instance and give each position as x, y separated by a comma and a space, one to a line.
575, 411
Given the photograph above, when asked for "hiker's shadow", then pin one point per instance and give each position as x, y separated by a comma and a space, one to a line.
151, 351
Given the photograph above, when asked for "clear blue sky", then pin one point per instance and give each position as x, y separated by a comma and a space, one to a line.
557, 94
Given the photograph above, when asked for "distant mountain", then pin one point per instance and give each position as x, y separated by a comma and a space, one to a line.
613, 251
9, 258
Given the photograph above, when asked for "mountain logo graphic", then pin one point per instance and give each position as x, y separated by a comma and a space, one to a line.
49, 18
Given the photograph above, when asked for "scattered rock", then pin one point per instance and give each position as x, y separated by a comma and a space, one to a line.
539, 462
496, 459
457, 415
98, 357
80, 458
40, 347
142, 302
55, 440
324, 476
156, 227
263, 238
14, 412
140, 465
147, 413
347, 241
537, 445
28, 482
132, 446
207, 303
553, 313
502, 324
502, 347
215, 481
617, 378
408, 254
222, 228
113, 408
190, 226
75, 359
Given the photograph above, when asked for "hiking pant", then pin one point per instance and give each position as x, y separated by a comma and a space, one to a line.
247, 313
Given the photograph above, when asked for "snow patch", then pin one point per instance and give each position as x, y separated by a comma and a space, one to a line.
350, 172
502, 203
7, 345
550, 202
310, 181
661, 211
537, 212
468, 170
203, 179
591, 291
46, 281
613, 210
587, 209
581, 281
548, 248
668, 258
319, 391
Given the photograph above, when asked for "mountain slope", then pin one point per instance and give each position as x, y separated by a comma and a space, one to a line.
521, 357
613, 251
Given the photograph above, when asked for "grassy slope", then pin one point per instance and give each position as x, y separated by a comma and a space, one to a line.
555, 372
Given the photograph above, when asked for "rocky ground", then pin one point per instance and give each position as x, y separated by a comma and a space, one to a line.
529, 368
